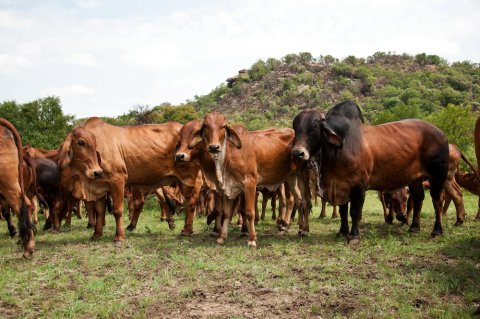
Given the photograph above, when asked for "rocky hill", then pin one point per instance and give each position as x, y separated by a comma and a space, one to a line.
387, 87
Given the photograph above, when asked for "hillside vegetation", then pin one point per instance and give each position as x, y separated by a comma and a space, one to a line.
387, 87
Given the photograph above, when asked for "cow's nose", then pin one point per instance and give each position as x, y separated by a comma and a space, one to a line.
179, 157
214, 148
298, 153
98, 173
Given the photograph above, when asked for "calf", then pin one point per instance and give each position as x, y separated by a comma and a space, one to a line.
237, 161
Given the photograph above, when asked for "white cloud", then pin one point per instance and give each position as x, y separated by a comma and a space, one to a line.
11, 20
81, 58
10, 63
75, 89
87, 4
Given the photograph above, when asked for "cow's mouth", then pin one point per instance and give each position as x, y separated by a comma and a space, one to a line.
215, 154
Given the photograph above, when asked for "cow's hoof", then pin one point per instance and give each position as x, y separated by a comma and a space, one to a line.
163, 219
186, 232
414, 229
27, 255
118, 243
95, 238
220, 241
90, 226
243, 234
342, 234
282, 232
47, 227
437, 232
354, 240
131, 227
303, 233
171, 226
459, 222
252, 243
401, 218
214, 234
321, 217
334, 216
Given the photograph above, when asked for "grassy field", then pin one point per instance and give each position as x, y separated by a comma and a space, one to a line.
156, 273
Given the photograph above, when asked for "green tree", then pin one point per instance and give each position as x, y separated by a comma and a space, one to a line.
40, 123
457, 122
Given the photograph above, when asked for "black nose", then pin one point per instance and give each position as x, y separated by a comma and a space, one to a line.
298, 153
179, 157
98, 174
214, 148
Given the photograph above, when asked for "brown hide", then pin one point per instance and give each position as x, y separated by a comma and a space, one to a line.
137, 156
237, 161
12, 183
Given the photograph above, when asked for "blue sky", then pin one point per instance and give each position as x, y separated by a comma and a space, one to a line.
102, 57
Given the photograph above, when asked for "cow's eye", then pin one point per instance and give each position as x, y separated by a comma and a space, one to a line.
224, 125
81, 143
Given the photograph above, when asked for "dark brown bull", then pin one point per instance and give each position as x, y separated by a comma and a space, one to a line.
110, 158
237, 161
353, 158
12, 183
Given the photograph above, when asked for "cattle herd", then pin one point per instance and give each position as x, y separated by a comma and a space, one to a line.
213, 167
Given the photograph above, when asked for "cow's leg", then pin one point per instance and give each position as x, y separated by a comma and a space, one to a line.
162, 202
302, 199
8, 218
138, 200
55, 208
446, 204
191, 195
334, 213
273, 203
249, 192
322, 211
357, 197
343, 209
34, 210
452, 190
436, 191
478, 210
417, 193
242, 213
224, 217
67, 213
264, 205
381, 197
257, 215
282, 210
218, 212
117, 197
98, 209
89, 207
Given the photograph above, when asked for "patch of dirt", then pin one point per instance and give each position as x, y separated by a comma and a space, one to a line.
9, 311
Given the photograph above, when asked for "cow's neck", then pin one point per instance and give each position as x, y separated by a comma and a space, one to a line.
220, 165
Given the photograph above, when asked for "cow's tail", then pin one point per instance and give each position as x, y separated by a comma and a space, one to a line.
25, 225
109, 204
468, 163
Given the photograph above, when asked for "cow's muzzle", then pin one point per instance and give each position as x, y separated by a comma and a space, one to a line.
181, 157
214, 148
98, 173
300, 153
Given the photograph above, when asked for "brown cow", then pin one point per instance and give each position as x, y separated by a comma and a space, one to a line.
470, 182
12, 186
353, 157
110, 158
395, 202
238, 161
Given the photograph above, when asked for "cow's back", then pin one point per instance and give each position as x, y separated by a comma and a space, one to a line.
8, 162
400, 152
272, 148
143, 152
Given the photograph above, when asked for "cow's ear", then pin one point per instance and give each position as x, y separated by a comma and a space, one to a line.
331, 136
196, 138
232, 137
66, 153
99, 158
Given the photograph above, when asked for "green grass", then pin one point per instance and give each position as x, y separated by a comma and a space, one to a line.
156, 273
